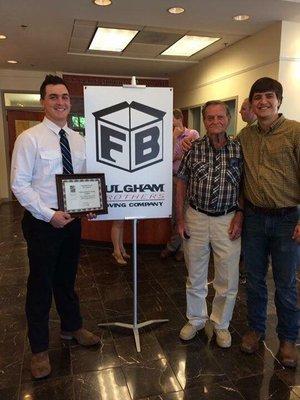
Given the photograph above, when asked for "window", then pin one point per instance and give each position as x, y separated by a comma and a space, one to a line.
77, 123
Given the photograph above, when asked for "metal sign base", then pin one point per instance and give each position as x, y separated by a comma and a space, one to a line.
135, 326
135, 329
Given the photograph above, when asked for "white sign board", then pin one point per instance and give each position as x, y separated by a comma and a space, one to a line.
129, 139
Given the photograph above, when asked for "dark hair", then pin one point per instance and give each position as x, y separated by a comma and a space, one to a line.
177, 113
51, 80
216, 103
266, 84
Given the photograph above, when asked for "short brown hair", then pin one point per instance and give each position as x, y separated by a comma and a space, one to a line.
177, 113
51, 80
266, 84
216, 103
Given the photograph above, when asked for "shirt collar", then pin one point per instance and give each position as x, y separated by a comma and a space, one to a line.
252, 123
228, 141
274, 126
55, 128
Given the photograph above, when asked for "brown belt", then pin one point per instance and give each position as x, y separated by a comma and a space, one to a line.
271, 211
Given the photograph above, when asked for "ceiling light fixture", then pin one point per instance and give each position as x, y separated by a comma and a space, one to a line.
241, 17
189, 45
176, 10
12, 62
2, 36
111, 39
102, 2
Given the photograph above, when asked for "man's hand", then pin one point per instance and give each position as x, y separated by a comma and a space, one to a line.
60, 219
296, 234
180, 196
235, 227
187, 144
182, 230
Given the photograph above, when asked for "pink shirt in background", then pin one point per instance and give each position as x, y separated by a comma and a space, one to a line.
177, 150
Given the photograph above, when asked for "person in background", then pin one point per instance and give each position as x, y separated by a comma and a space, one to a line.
180, 132
271, 151
52, 236
119, 253
246, 112
210, 175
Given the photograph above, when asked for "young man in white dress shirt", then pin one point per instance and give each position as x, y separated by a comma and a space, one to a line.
52, 236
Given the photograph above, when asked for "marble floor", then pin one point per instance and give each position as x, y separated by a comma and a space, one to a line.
166, 368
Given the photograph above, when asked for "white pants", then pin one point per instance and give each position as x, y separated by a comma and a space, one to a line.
208, 231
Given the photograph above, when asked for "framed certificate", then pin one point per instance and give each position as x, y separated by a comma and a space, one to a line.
79, 194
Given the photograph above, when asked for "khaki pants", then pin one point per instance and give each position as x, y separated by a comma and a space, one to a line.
211, 232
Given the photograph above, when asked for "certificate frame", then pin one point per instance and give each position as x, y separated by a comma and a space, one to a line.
80, 194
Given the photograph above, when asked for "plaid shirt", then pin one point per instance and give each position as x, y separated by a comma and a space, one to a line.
272, 164
213, 175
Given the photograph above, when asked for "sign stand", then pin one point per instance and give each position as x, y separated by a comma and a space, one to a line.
135, 326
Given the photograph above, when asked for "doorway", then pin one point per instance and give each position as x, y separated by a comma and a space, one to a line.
18, 121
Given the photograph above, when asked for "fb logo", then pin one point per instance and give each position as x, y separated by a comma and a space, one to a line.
129, 136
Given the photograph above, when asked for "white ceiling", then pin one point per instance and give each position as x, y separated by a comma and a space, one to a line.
57, 32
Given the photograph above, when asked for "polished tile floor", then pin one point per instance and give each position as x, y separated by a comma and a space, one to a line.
167, 368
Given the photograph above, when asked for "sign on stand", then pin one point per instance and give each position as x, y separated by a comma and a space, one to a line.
129, 139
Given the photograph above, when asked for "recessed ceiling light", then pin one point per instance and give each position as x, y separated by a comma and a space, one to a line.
12, 62
112, 39
102, 2
176, 10
241, 17
2, 36
189, 45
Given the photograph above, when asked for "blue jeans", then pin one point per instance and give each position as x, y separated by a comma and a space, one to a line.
264, 235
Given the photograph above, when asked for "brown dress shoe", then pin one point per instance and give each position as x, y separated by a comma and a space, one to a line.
179, 256
82, 336
288, 354
40, 365
250, 342
166, 253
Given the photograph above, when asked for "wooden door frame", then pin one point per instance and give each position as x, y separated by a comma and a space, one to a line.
4, 110
4, 124
11, 139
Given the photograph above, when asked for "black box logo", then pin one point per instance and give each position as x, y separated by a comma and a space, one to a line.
135, 142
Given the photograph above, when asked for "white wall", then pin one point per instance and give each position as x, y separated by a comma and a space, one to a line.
289, 69
230, 72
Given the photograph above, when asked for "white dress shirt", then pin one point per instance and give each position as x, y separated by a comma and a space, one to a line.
35, 161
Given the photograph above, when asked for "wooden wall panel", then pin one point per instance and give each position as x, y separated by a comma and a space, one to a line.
150, 231
76, 83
